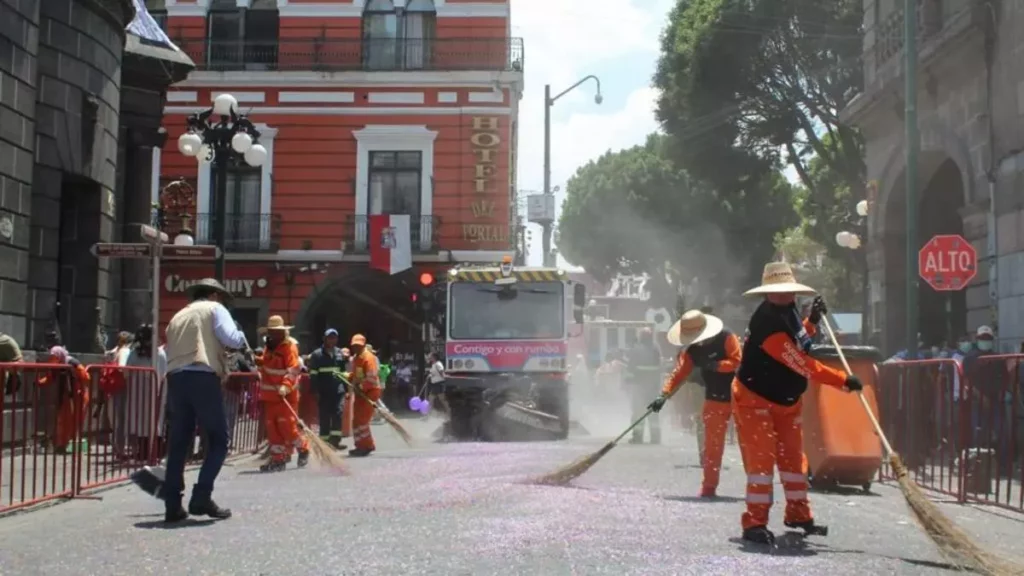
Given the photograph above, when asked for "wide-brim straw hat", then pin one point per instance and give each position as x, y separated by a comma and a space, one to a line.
275, 322
694, 326
208, 283
778, 278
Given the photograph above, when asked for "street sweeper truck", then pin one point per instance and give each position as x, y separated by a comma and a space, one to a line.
506, 351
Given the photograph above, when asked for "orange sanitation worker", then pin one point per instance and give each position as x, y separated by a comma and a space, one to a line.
279, 391
715, 351
766, 401
365, 376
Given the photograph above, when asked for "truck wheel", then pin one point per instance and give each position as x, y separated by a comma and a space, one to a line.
558, 404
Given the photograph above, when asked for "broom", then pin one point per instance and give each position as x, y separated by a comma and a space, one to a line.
321, 450
567, 474
951, 540
384, 413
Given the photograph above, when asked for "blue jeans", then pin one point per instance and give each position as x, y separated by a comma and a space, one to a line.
194, 397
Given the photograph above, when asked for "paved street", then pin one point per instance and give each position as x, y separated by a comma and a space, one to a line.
463, 509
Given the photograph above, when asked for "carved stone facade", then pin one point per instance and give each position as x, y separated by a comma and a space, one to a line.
970, 107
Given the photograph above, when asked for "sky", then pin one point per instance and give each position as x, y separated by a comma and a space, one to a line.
564, 41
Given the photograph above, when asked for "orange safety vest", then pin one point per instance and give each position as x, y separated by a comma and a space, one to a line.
365, 370
279, 367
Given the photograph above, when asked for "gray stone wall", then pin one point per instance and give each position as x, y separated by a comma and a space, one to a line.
73, 202
19, 40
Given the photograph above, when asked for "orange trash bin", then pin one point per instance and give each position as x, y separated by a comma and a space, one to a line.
840, 444
346, 417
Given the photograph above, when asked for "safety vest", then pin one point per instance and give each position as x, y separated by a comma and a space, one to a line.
759, 372
279, 367
706, 356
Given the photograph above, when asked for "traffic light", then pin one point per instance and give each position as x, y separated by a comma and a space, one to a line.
426, 279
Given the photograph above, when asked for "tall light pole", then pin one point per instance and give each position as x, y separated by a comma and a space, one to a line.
549, 101
913, 143
223, 136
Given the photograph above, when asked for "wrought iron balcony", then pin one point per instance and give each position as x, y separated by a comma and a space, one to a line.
423, 232
245, 233
367, 55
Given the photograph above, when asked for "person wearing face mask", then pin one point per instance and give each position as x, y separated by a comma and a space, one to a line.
279, 391
766, 400
985, 385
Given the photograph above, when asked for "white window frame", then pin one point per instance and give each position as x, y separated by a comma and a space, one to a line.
395, 138
204, 179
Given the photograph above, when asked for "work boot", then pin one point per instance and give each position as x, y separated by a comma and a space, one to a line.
809, 527
303, 459
174, 513
759, 535
706, 492
207, 507
273, 467
360, 452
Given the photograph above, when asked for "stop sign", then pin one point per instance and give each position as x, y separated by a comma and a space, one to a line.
947, 262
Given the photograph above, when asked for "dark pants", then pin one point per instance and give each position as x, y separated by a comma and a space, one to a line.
330, 400
194, 398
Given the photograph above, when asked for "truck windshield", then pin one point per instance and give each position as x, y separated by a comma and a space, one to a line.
477, 313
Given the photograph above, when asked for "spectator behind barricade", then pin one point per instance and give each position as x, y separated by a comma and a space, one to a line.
146, 394
986, 383
241, 374
114, 398
10, 353
72, 396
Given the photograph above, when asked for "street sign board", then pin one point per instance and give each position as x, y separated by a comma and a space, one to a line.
947, 263
202, 253
109, 250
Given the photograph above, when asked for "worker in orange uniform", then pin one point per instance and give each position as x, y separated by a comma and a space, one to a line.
365, 377
280, 370
766, 400
72, 396
715, 351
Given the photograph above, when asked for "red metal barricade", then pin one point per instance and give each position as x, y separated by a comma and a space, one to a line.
958, 426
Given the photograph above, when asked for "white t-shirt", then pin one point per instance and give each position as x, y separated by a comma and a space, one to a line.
436, 373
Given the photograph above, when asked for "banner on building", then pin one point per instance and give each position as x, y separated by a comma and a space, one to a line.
390, 243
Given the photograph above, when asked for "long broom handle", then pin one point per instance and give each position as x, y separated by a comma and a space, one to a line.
860, 394
296, 415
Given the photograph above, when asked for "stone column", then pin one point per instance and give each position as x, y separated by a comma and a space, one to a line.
136, 284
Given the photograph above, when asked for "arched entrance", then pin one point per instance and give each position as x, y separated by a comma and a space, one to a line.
363, 301
942, 315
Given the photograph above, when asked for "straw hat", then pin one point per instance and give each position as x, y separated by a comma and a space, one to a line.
209, 283
695, 326
275, 322
778, 278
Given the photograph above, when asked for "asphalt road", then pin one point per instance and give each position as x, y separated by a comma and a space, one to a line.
454, 509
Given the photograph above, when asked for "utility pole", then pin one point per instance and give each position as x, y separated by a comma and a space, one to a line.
548, 225
912, 144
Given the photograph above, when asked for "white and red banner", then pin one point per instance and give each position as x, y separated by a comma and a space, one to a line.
390, 243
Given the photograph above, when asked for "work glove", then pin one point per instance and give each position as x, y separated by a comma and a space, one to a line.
853, 384
818, 309
283, 390
658, 404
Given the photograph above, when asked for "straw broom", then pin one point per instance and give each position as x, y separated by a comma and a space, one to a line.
384, 412
953, 542
567, 474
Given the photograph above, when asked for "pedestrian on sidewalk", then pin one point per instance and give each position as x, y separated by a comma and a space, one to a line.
198, 339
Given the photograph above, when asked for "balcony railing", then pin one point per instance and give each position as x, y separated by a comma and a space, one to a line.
245, 233
376, 55
932, 17
422, 231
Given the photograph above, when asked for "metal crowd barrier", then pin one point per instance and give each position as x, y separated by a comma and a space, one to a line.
958, 428
66, 432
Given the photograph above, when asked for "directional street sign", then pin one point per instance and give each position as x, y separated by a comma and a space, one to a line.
104, 250
200, 253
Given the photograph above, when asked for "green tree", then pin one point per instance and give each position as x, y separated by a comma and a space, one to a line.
815, 267
748, 86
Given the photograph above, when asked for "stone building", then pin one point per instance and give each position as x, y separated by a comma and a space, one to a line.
80, 106
971, 170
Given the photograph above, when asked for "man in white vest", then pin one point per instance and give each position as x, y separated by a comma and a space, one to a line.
198, 339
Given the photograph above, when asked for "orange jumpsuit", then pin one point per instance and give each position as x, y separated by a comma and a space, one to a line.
279, 366
766, 401
72, 399
717, 358
365, 375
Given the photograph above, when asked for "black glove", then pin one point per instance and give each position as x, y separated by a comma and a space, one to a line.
853, 384
818, 309
658, 404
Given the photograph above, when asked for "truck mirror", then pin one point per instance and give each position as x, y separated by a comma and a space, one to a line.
579, 301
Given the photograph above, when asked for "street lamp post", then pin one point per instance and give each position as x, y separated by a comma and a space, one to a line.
853, 241
549, 101
223, 136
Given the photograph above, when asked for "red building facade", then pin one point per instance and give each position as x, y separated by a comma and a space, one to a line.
365, 107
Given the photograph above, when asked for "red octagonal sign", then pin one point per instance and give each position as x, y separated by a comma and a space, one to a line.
947, 262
